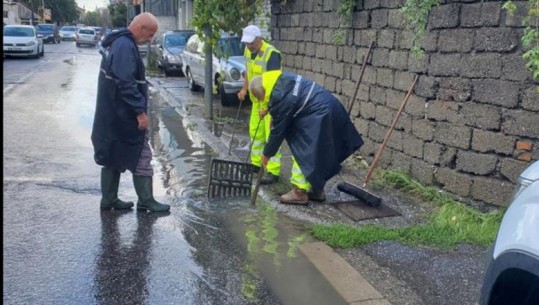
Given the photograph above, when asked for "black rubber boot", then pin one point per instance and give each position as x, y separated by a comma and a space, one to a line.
269, 178
110, 181
144, 189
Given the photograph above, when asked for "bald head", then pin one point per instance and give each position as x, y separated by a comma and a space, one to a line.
143, 27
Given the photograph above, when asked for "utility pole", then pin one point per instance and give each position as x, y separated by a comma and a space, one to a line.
126, 13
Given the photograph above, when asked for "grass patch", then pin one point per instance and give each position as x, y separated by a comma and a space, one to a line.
451, 224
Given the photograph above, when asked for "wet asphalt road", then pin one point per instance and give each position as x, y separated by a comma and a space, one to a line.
60, 249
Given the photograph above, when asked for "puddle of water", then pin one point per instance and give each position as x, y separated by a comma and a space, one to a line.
270, 241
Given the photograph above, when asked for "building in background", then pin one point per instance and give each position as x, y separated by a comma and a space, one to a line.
18, 13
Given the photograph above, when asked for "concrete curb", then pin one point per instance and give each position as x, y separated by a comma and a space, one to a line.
346, 280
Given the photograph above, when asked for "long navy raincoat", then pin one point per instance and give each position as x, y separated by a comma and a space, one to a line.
122, 94
315, 125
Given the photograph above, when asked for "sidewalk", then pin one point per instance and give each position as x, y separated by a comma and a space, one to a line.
345, 279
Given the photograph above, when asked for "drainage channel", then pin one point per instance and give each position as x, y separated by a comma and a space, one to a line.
250, 254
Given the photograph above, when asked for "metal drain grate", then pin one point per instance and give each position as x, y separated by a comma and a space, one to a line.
230, 179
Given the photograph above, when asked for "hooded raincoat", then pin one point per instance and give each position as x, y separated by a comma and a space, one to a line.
315, 125
122, 94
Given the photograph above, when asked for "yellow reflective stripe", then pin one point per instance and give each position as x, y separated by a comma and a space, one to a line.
297, 178
275, 159
296, 170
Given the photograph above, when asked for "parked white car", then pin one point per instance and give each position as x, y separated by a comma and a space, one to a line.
227, 71
86, 36
68, 32
512, 275
22, 40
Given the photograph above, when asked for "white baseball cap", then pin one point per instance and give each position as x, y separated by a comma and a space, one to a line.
250, 33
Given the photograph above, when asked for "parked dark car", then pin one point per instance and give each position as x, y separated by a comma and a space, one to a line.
49, 32
171, 45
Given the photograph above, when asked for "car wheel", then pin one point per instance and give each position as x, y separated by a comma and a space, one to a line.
192, 85
42, 53
226, 99
35, 56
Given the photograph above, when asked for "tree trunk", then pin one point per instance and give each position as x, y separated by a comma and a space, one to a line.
208, 77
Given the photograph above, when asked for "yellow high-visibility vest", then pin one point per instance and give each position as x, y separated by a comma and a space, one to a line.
259, 65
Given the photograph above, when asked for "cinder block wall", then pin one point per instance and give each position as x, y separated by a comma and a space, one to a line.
472, 123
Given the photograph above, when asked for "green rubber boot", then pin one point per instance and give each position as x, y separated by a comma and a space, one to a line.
143, 187
110, 181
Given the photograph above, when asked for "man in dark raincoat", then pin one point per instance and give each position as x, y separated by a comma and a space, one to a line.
316, 127
119, 133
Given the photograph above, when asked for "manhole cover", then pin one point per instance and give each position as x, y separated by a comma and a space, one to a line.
358, 210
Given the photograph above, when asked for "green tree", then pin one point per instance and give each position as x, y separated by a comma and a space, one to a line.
211, 18
93, 19
62, 11
118, 15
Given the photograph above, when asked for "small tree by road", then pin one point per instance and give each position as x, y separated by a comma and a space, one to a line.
211, 18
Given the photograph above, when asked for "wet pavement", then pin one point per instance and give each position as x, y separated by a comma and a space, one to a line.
402, 274
60, 249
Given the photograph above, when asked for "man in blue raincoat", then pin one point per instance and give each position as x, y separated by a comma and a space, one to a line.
119, 133
316, 127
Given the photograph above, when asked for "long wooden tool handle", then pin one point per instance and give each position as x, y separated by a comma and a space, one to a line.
388, 133
257, 186
360, 77
234, 130
252, 142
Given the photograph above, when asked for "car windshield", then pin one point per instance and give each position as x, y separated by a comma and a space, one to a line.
68, 29
18, 32
86, 31
230, 46
175, 41
45, 27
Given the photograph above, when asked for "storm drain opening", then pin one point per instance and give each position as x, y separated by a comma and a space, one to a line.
358, 210
230, 179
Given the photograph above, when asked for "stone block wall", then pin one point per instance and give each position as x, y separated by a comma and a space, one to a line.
472, 123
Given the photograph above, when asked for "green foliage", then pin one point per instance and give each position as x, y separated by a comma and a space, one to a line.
118, 15
530, 39
451, 224
93, 19
62, 11
415, 17
339, 37
345, 9
228, 16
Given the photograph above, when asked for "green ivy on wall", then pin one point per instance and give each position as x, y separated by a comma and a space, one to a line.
345, 9
416, 17
530, 39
